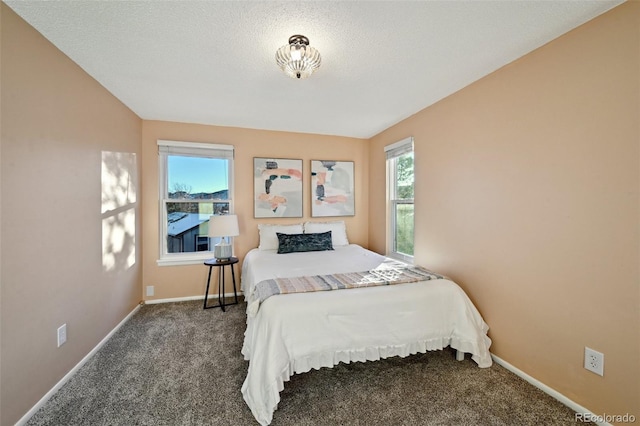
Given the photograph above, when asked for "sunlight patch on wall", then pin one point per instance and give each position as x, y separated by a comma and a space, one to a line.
119, 184
118, 241
119, 176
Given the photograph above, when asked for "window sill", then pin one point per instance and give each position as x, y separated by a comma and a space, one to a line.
185, 260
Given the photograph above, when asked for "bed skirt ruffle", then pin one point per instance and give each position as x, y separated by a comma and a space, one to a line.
263, 410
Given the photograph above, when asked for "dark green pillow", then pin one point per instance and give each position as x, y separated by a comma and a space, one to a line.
292, 243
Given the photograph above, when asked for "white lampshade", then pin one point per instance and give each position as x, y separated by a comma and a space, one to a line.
223, 226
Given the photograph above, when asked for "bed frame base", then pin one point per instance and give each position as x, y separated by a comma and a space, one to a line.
459, 355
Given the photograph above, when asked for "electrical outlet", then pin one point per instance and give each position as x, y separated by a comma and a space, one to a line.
62, 334
150, 290
594, 361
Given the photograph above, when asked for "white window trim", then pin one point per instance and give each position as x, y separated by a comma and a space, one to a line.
395, 150
166, 147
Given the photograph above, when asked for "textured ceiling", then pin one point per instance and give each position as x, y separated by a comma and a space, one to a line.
212, 62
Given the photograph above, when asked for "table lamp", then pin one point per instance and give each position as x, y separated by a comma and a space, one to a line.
223, 226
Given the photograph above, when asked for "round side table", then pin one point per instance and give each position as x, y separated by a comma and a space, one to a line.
220, 264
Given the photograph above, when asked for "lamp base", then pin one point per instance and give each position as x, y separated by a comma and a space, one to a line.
222, 251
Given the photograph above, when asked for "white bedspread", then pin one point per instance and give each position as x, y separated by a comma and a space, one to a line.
294, 333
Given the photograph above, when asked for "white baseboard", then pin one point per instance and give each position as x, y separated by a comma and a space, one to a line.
188, 298
73, 371
549, 391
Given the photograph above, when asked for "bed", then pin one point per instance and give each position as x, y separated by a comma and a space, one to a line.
293, 333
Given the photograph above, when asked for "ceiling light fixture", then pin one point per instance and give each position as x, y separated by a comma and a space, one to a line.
297, 59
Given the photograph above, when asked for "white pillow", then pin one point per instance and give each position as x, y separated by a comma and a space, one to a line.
337, 228
268, 237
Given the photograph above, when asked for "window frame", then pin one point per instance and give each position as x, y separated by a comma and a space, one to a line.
193, 149
392, 153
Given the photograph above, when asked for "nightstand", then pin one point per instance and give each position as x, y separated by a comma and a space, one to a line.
220, 264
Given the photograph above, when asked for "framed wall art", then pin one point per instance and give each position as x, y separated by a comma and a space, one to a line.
277, 187
332, 188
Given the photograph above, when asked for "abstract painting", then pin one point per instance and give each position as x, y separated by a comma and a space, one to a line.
277, 187
332, 188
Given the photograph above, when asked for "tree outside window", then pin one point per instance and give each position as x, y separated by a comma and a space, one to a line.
404, 205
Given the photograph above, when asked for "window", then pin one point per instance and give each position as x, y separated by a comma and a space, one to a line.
400, 199
195, 181
202, 243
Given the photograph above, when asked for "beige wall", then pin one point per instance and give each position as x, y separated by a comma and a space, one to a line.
190, 280
527, 194
70, 255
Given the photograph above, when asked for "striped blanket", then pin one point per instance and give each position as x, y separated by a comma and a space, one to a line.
401, 275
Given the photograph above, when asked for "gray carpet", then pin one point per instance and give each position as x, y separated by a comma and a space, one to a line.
177, 364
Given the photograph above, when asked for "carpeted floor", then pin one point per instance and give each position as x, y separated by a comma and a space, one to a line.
177, 364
